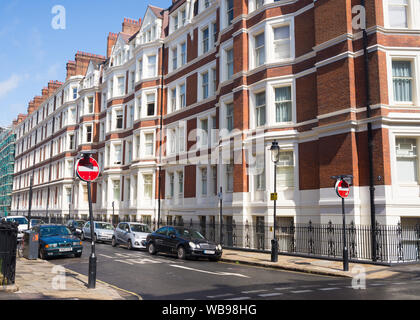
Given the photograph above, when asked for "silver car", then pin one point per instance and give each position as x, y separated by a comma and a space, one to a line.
131, 234
103, 231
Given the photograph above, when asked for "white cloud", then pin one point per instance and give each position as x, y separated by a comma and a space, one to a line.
11, 84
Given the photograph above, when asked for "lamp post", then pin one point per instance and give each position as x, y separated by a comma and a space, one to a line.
113, 212
275, 156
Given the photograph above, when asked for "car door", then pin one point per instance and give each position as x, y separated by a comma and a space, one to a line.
172, 240
86, 230
125, 233
168, 241
119, 232
159, 238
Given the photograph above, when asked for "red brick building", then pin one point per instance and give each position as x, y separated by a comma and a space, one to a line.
216, 82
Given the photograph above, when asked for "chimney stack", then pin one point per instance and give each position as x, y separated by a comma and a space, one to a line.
131, 26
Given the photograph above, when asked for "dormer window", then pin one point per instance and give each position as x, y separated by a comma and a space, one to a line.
176, 22
183, 17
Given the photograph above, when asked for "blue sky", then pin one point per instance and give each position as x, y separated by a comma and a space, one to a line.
32, 52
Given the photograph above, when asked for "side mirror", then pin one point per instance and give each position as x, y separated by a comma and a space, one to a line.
173, 235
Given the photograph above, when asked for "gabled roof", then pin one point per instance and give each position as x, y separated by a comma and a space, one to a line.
157, 11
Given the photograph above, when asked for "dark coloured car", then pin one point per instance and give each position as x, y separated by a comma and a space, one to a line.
183, 242
57, 240
76, 226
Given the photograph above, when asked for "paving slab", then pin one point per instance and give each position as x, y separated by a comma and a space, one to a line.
40, 279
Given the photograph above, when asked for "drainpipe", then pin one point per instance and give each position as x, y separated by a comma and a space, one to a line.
370, 141
160, 134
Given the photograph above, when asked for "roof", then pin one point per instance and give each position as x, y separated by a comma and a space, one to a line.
157, 11
125, 36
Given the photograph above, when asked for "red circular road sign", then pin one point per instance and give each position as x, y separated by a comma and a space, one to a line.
87, 169
342, 189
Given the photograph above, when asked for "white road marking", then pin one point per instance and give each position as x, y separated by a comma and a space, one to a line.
122, 255
301, 291
328, 289
240, 298
284, 288
270, 294
254, 291
221, 295
143, 261
377, 284
123, 261
210, 272
399, 283
104, 255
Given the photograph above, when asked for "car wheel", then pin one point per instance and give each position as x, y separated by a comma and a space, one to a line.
129, 245
181, 253
82, 237
214, 259
78, 255
114, 242
42, 254
151, 248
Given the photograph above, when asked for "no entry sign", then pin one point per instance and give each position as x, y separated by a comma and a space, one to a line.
342, 189
87, 169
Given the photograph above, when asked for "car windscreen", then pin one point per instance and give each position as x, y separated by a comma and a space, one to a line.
104, 226
49, 231
140, 228
79, 224
190, 234
18, 220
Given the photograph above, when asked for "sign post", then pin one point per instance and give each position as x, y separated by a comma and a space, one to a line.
87, 169
220, 196
342, 188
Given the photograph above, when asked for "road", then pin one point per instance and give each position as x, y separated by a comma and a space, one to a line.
164, 277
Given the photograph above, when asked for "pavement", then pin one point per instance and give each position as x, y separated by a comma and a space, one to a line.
41, 280
308, 265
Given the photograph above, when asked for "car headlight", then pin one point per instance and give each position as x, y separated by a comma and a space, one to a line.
219, 247
193, 245
51, 245
77, 243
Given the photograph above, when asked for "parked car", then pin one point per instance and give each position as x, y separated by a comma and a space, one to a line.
131, 234
57, 240
76, 226
184, 242
22, 224
103, 231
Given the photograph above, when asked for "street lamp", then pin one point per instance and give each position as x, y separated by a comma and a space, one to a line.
275, 157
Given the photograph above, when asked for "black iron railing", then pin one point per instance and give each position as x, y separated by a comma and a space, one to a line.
394, 243
8, 245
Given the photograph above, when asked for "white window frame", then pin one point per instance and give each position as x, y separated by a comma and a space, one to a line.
404, 56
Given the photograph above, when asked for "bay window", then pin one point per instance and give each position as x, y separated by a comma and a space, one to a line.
283, 102
402, 81
259, 49
282, 42
260, 109
148, 186
398, 13
406, 158
285, 170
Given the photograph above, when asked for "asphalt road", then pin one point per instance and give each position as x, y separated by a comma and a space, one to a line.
164, 277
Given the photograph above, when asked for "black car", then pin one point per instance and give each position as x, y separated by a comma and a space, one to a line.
183, 242
76, 226
57, 240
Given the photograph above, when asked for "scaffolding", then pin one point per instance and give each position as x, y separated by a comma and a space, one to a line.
7, 163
